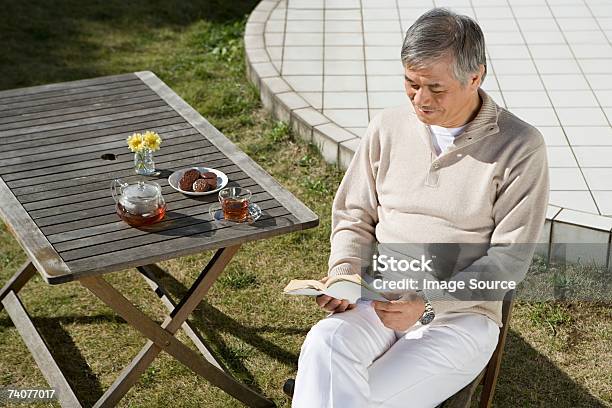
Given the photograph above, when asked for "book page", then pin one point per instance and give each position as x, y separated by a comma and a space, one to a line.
349, 287
352, 292
296, 284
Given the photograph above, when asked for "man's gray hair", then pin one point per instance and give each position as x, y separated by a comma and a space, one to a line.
440, 32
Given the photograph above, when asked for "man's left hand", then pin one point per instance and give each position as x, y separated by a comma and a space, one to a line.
400, 315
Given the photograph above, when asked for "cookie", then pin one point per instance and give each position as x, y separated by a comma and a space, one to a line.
209, 175
202, 185
186, 182
212, 183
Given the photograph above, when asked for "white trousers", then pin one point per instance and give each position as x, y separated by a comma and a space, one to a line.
351, 360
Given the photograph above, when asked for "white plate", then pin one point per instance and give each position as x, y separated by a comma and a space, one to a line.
176, 177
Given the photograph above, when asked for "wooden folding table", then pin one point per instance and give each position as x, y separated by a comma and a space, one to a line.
61, 145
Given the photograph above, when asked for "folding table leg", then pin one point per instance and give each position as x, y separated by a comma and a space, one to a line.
37, 346
167, 300
18, 280
128, 377
162, 338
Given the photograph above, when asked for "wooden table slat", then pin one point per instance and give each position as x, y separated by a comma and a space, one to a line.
92, 216
268, 227
62, 111
126, 125
175, 225
46, 97
93, 153
88, 149
95, 144
176, 210
100, 166
96, 181
86, 186
49, 183
64, 203
201, 148
28, 146
81, 122
87, 98
100, 198
36, 92
67, 119
201, 225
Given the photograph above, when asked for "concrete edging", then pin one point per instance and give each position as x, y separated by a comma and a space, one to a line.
336, 144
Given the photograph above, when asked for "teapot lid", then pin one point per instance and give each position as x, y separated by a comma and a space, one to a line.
141, 192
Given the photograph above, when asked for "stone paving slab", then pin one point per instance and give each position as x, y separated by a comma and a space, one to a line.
327, 67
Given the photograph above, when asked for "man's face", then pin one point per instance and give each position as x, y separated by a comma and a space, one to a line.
438, 98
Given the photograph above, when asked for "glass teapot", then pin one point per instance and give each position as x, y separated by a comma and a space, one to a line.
138, 204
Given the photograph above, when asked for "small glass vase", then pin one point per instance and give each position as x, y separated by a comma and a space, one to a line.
143, 162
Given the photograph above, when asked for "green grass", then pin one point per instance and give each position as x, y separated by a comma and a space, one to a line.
558, 353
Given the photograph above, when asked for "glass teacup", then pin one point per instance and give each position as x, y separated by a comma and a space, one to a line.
235, 203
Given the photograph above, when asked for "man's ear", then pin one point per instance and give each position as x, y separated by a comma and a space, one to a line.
476, 78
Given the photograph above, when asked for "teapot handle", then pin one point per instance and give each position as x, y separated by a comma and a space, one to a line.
117, 187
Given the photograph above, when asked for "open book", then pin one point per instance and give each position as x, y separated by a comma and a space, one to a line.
349, 287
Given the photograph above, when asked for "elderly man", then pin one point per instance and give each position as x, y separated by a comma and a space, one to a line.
451, 167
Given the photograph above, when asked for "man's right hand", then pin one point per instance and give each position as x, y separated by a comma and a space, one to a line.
331, 304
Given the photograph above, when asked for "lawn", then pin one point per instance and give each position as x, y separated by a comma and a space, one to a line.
558, 354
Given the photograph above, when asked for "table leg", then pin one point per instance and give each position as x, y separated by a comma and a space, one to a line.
166, 298
32, 338
18, 280
162, 338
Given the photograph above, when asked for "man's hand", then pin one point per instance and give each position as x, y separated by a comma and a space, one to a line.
331, 304
400, 315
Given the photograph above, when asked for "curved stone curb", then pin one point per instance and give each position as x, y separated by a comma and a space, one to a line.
337, 145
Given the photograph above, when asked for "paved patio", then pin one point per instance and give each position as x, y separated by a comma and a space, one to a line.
328, 66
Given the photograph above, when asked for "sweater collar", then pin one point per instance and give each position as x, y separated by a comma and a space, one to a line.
483, 125
485, 122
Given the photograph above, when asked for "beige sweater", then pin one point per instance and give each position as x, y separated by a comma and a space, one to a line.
490, 187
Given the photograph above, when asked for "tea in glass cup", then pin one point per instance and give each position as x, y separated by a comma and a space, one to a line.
235, 203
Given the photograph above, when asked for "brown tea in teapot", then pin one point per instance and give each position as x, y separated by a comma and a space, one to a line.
136, 220
138, 204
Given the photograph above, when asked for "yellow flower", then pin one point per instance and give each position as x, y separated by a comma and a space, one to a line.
135, 142
151, 140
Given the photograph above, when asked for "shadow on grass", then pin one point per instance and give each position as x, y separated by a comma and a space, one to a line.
46, 41
529, 379
207, 319
210, 321
69, 358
